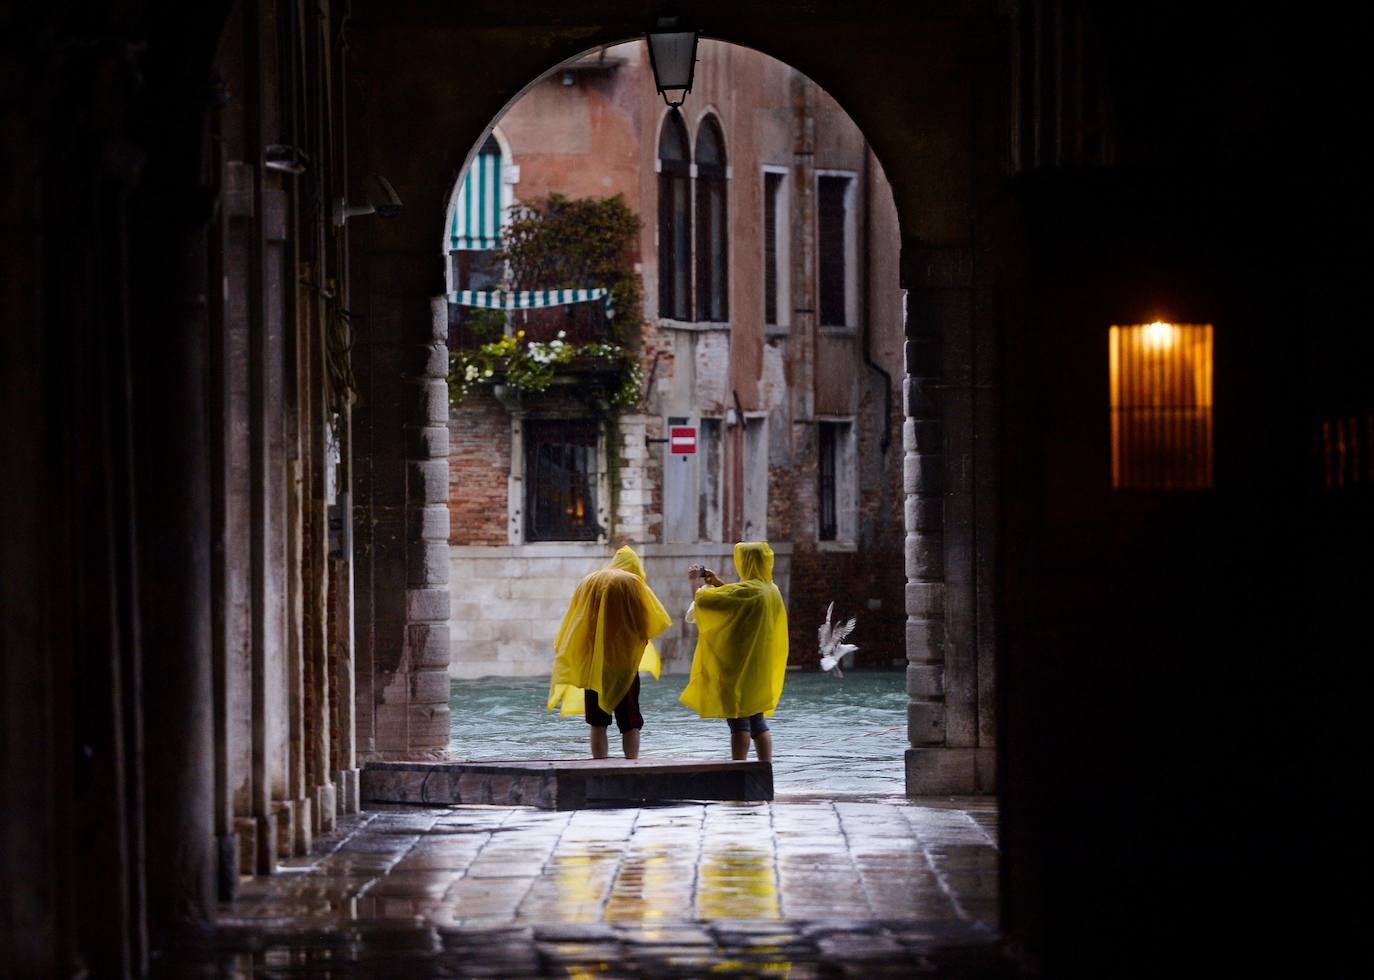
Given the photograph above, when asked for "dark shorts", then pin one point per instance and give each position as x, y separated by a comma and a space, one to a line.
754, 724
627, 716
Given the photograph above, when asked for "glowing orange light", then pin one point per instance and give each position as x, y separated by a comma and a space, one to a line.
1161, 405
1160, 336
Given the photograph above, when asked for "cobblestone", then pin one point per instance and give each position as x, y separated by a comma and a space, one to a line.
798, 887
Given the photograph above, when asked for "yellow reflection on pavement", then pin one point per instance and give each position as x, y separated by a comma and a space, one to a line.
737, 883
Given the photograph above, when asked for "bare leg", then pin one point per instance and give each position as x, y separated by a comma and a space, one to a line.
739, 745
600, 746
763, 746
629, 741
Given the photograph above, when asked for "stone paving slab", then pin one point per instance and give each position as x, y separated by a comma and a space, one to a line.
807, 887
565, 784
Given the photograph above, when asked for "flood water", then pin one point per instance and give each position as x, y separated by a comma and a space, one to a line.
830, 735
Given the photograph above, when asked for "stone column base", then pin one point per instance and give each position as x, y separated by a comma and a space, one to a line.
347, 782
941, 771
286, 812
246, 830
325, 808
267, 844
227, 872
304, 826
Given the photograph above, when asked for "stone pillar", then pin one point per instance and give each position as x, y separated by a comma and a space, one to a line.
172, 483
941, 568
427, 527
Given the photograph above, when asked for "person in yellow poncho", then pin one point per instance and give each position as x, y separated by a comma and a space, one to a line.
602, 645
741, 655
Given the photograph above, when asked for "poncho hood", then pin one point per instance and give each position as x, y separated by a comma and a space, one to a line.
626, 560
754, 559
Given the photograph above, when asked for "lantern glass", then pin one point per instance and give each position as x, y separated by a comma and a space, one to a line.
673, 56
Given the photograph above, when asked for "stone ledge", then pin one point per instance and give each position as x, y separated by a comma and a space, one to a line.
564, 784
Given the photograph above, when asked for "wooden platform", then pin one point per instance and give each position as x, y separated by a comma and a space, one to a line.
567, 784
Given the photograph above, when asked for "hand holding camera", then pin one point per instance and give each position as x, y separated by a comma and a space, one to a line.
701, 571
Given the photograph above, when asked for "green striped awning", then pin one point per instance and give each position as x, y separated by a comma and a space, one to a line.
531, 299
476, 220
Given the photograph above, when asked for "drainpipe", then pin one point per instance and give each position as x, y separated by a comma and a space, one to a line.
866, 299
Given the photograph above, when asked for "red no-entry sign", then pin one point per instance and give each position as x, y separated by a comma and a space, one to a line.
682, 439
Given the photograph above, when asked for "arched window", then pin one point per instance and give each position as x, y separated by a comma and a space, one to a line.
476, 221
712, 239
674, 220
474, 235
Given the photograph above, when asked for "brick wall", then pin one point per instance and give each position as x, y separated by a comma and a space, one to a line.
479, 470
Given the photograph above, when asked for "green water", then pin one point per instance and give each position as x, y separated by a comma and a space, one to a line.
829, 734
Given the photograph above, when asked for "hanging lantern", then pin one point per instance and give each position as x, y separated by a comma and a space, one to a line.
673, 57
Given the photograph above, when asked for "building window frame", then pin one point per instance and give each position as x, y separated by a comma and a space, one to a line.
836, 482
1162, 398
675, 221
776, 192
466, 268
582, 447
848, 242
711, 222
509, 177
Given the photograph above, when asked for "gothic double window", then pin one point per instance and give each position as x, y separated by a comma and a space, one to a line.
693, 222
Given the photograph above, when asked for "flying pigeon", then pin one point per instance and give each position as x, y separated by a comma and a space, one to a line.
832, 650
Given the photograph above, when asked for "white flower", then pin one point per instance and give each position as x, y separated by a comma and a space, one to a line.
562, 334
470, 373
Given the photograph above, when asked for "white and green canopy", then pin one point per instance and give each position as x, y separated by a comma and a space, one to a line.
531, 299
476, 220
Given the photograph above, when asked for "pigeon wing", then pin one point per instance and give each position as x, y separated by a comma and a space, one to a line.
843, 631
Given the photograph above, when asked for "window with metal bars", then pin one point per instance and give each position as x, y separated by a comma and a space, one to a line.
827, 470
560, 480
1161, 402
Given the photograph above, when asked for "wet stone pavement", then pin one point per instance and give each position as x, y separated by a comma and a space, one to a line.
801, 887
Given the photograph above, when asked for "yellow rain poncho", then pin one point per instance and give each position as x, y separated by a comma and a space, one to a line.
604, 638
741, 655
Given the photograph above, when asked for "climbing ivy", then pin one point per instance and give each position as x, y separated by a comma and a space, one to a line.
560, 243
570, 243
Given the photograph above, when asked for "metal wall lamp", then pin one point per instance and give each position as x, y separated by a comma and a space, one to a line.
382, 200
673, 57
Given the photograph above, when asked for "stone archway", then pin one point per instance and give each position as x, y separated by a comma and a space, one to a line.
931, 156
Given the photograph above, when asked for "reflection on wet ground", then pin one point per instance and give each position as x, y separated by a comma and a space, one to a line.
799, 888
830, 735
